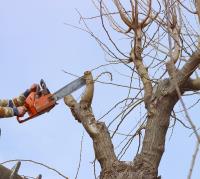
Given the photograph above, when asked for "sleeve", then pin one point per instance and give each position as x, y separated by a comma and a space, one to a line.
18, 101
15, 102
4, 102
7, 112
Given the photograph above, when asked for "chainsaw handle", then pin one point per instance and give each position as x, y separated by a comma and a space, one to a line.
20, 120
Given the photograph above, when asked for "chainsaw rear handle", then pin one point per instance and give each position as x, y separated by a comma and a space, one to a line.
20, 120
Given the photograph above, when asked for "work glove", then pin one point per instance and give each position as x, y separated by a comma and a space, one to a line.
33, 88
19, 111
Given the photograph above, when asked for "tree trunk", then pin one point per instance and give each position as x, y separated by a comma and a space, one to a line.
145, 164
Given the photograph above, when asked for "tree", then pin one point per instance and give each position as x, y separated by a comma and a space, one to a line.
162, 55
161, 36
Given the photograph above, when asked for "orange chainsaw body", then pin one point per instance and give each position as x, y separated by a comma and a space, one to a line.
37, 104
42, 104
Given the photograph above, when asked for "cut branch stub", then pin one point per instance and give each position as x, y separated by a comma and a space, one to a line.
87, 97
15, 170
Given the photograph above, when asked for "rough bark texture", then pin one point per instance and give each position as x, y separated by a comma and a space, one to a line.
145, 165
197, 2
159, 104
5, 173
156, 129
82, 112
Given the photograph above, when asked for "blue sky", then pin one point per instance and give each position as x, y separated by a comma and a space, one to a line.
35, 43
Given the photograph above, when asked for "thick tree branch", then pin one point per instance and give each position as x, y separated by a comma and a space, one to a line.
122, 14
191, 65
6, 173
149, 11
165, 97
192, 85
138, 62
104, 151
182, 77
197, 2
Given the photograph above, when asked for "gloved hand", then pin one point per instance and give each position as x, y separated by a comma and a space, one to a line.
19, 111
33, 88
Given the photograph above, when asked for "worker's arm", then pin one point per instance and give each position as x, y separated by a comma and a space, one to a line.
18, 101
10, 112
6, 112
15, 102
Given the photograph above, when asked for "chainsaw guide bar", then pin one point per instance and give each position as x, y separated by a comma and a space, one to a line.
69, 88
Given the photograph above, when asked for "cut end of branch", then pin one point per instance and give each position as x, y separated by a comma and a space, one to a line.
87, 97
70, 101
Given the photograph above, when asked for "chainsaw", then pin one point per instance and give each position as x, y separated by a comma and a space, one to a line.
42, 100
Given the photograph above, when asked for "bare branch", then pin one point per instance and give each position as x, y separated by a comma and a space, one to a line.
142, 71
122, 14
193, 160
192, 85
197, 3
80, 157
189, 67
38, 163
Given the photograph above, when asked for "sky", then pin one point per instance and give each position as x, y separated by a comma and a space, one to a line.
35, 43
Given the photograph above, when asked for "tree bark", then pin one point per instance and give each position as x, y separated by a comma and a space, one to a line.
155, 132
197, 2
5, 173
111, 167
159, 105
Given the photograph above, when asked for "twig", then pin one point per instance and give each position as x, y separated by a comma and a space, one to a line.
103, 82
80, 157
193, 160
94, 168
103, 73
